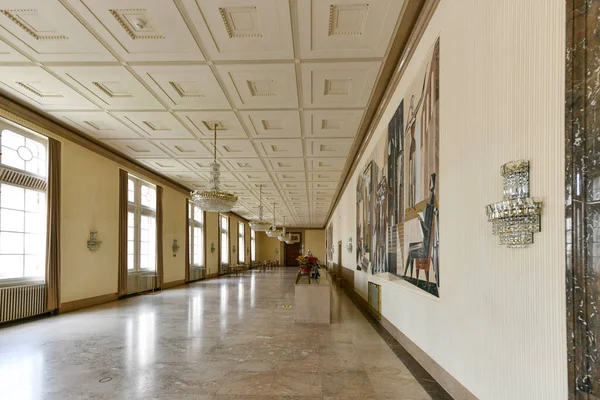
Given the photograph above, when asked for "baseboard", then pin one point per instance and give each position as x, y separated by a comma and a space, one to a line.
447, 381
89, 302
169, 285
210, 276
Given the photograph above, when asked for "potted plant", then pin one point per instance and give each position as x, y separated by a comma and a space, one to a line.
307, 263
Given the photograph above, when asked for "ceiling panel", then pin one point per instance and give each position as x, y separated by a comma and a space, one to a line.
47, 31
331, 123
250, 30
140, 30
37, 87
328, 147
286, 83
181, 148
285, 164
272, 124
98, 124
136, 148
254, 86
236, 148
346, 28
202, 124
339, 84
280, 148
154, 124
111, 87
184, 87
245, 164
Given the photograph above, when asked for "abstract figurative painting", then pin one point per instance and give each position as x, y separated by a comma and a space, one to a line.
397, 194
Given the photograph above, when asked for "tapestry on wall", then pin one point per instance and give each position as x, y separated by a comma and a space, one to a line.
397, 192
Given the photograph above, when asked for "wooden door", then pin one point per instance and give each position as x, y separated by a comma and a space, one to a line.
292, 251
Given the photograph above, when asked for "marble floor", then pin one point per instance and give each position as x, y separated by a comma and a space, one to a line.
225, 338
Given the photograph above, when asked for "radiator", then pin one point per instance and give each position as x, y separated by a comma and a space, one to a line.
18, 302
375, 300
197, 273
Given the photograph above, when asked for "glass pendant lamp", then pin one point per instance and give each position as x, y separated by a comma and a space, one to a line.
273, 231
214, 199
260, 225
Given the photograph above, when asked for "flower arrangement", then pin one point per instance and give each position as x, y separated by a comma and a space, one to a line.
308, 262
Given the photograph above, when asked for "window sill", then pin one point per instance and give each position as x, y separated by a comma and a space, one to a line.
5, 283
142, 273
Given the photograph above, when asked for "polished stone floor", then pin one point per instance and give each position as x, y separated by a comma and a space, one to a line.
226, 338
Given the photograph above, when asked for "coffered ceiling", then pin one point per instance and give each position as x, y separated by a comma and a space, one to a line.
286, 82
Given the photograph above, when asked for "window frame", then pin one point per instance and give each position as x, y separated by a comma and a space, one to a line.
224, 232
140, 210
252, 245
241, 243
193, 223
43, 141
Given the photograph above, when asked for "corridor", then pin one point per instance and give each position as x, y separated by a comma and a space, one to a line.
227, 338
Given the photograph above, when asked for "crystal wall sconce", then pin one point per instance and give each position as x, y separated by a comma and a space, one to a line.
93, 244
212, 248
233, 248
517, 217
276, 251
349, 245
175, 246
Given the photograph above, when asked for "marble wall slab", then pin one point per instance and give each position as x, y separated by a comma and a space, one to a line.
582, 208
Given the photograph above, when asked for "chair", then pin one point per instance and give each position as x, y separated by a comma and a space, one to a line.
419, 253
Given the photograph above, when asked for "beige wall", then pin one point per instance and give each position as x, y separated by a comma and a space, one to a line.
498, 326
90, 194
314, 240
174, 226
212, 238
265, 248
89, 201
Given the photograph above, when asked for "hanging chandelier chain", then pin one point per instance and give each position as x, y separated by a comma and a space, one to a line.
215, 144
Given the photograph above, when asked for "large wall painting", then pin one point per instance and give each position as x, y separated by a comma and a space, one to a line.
397, 192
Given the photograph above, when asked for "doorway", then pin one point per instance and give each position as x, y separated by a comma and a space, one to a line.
339, 263
292, 251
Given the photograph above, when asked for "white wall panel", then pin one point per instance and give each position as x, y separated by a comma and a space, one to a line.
499, 324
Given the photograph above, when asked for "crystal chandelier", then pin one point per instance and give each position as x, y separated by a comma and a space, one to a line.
214, 200
273, 232
284, 236
260, 225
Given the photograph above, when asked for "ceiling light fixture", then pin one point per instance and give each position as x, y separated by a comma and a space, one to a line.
260, 225
214, 200
284, 236
273, 231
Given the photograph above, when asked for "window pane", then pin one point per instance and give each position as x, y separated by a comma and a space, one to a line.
12, 140
35, 223
12, 197
11, 266
35, 244
148, 197
252, 245
35, 201
198, 214
11, 220
224, 249
11, 243
148, 242
131, 191
35, 266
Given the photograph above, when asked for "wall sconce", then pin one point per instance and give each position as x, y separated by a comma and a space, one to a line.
175, 246
233, 248
349, 245
276, 251
248, 250
517, 217
212, 247
93, 244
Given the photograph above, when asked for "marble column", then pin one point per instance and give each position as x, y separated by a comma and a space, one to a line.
582, 213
